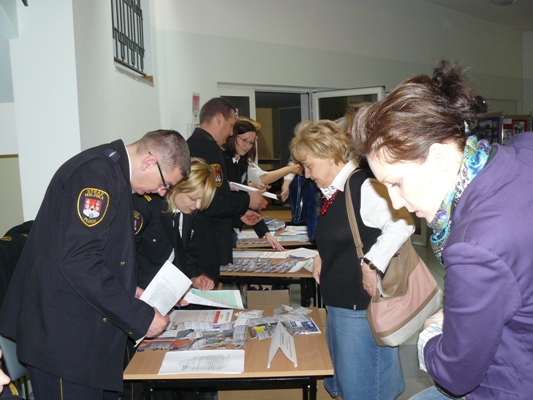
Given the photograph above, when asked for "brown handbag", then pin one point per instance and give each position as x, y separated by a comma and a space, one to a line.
407, 294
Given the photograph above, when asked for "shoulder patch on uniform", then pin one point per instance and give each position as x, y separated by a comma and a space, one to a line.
218, 174
138, 221
112, 154
92, 206
147, 197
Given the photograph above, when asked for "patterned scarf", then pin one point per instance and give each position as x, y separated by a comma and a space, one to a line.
475, 157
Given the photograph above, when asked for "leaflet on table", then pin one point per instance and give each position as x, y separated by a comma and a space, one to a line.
246, 188
166, 288
214, 317
216, 298
300, 252
281, 339
296, 324
203, 362
291, 230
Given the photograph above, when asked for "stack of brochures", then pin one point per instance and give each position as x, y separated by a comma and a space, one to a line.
274, 225
295, 324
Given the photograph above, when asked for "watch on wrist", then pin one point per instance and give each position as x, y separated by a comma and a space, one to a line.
372, 266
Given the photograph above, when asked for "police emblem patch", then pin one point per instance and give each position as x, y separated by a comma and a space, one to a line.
92, 206
138, 221
218, 174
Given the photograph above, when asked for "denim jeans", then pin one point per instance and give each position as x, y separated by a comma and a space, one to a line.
363, 370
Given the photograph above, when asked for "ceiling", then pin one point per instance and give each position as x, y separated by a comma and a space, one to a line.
518, 15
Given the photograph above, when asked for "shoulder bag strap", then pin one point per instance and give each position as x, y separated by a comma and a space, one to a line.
352, 220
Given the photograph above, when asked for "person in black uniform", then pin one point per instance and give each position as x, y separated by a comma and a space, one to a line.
163, 229
11, 246
164, 226
212, 226
72, 301
239, 148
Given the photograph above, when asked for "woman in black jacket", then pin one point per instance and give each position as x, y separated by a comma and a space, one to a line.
164, 226
239, 149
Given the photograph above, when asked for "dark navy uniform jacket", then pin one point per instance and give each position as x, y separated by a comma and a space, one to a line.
238, 172
213, 227
10, 249
155, 238
71, 303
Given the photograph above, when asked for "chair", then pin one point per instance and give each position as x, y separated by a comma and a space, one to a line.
13, 367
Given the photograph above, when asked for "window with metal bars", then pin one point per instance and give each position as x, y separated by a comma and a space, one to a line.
128, 35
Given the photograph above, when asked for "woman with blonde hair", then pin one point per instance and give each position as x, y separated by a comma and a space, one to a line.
362, 369
164, 226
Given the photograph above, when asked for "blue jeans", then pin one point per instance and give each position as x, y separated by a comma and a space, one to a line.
363, 370
432, 393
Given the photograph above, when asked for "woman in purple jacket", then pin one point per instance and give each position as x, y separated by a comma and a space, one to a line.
420, 142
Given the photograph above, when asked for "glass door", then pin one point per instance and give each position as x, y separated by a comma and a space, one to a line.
332, 104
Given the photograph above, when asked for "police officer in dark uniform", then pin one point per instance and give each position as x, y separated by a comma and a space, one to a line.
11, 246
72, 302
213, 226
164, 226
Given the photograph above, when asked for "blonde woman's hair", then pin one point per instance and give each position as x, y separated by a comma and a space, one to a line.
202, 176
321, 140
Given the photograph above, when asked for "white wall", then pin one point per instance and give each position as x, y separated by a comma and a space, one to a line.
44, 88
69, 97
318, 43
111, 105
528, 73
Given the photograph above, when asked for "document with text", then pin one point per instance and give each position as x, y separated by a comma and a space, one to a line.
167, 287
203, 362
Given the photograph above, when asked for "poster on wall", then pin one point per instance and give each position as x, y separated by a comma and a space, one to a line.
513, 125
490, 128
196, 108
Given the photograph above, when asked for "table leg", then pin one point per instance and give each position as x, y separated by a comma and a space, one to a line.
310, 389
307, 292
147, 390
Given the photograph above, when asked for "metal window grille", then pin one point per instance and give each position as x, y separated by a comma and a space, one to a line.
128, 35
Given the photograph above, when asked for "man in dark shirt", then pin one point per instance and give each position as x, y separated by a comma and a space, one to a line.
213, 227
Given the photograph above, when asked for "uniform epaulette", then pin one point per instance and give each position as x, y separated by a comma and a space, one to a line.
147, 197
112, 154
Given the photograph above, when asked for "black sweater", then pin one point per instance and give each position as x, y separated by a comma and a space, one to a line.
340, 278
238, 172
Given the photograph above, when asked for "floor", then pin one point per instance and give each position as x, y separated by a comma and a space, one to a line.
415, 379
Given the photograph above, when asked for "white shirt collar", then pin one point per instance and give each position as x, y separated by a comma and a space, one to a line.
340, 180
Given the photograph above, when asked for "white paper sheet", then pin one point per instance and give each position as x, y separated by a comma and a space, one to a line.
246, 188
281, 339
167, 287
213, 317
216, 298
203, 362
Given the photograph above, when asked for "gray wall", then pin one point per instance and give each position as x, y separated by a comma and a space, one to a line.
67, 96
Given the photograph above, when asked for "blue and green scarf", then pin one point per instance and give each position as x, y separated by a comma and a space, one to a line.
475, 157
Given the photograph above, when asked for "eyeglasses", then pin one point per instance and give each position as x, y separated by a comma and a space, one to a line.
165, 184
246, 142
